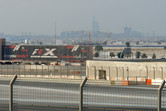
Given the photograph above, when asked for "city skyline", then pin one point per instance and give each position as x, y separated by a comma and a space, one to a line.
39, 16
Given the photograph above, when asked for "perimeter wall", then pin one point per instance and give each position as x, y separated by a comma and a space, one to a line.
117, 70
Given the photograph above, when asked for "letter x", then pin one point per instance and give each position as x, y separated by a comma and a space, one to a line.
49, 52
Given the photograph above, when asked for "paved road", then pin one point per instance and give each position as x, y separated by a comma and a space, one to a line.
48, 96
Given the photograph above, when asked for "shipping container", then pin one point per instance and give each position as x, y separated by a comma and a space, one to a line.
48, 52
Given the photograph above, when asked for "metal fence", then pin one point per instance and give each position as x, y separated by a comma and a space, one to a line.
111, 72
54, 94
4, 93
163, 95
105, 97
13, 69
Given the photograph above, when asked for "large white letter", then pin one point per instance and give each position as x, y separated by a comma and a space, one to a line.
35, 51
49, 52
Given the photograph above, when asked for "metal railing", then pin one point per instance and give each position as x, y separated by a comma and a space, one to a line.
43, 70
112, 72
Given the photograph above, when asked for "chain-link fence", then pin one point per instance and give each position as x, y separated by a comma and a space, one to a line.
45, 94
54, 94
4, 93
106, 97
163, 95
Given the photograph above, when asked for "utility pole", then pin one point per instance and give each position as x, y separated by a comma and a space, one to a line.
55, 33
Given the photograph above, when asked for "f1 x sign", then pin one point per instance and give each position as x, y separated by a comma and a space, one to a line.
48, 54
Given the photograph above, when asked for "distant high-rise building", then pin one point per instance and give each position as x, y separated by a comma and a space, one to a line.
127, 30
95, 25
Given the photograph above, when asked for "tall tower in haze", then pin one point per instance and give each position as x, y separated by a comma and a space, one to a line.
95, 25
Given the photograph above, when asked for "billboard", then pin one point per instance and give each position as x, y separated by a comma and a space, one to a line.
48, 52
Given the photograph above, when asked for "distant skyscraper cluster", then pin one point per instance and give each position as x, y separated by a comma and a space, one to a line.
94, 34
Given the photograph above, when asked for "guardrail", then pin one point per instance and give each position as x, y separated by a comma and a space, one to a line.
27, 93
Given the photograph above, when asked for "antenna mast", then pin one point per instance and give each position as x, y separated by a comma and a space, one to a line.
89, 37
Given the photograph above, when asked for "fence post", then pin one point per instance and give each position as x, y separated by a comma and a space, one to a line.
24, 69
74, 71
19, 69
154, 73
147, 72
109, 72
67, 70
1, 69
7, 70
11, 93
48, 70
42, 70
30, 70
54, 70
81, 94
94, 72
13, 67
123, 72
162, 77
81, 70
159, 95
117, 72
128, 73
87, 71
59, 71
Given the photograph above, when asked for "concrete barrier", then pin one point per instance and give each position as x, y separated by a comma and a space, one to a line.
156, 82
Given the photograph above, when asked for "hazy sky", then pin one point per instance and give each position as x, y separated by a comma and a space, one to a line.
38, 16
